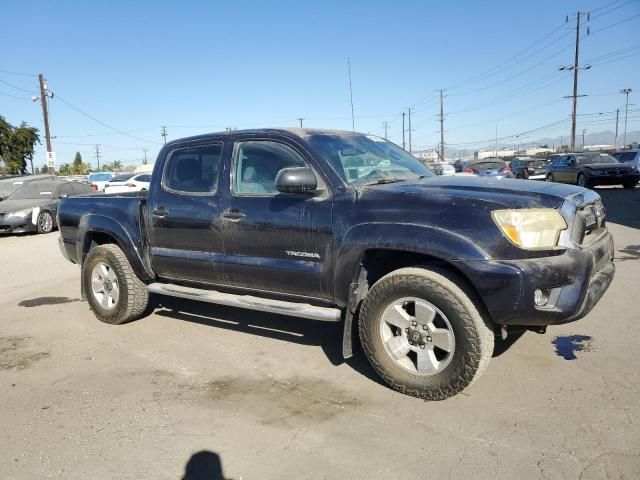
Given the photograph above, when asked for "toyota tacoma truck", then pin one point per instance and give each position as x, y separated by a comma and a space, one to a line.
423, 271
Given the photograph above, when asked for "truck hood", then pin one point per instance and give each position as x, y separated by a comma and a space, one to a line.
505, 193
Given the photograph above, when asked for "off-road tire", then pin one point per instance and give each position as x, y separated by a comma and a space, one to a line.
40, 223
473, 332
134, 296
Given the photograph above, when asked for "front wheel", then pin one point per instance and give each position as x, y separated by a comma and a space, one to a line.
45, 222
582, 181
629, 185
116, 295
423, 333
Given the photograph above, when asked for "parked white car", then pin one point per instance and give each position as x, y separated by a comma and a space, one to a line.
98, 180
443, 168
128, 182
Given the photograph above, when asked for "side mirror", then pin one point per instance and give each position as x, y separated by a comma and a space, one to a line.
572, 162
296, 180
63, 195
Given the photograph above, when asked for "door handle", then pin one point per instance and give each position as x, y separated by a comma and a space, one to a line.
233, 214
159, 212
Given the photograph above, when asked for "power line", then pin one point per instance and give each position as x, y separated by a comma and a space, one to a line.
605, 6
612, 9
14, 96
103, 123
484, 75
18, 73
18, 88
593, 32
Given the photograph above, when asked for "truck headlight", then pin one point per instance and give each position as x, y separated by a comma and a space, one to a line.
21, 213
531, 228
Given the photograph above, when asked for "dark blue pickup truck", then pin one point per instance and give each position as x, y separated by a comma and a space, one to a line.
346, 227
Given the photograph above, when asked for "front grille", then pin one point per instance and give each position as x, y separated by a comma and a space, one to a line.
622, 171
590, 222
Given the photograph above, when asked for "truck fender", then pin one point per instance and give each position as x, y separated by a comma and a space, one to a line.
425, 240
132, 248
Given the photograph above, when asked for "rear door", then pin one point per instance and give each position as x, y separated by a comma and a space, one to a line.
276, 242
184, 215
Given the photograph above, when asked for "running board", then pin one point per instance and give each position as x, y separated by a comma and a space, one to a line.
302, 310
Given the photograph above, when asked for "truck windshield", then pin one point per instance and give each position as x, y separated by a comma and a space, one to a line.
366, 159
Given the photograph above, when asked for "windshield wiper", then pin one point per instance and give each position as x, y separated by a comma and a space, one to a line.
387, 180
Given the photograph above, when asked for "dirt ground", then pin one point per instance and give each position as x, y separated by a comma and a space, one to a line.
199, 391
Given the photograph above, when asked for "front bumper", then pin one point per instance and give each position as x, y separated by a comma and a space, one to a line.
613, 179
577, 280
16, 225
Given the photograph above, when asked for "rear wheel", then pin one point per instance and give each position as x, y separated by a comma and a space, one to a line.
423, 333
550, 178
116, 295
629, 185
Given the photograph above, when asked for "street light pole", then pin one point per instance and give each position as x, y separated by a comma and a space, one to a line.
625, 91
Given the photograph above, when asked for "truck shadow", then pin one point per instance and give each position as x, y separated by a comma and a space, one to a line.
326, 335
622, 206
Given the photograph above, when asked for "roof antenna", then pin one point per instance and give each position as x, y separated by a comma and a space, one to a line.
353, 120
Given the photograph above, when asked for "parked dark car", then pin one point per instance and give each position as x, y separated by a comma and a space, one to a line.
529, 168
458, 165
33, 206
591, 169
488, 167
630, 157
344, 227
11, 183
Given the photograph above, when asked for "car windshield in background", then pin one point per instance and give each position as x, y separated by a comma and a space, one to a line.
597, 158
99, 177
620, 156
121, 178
367, 159
33, 191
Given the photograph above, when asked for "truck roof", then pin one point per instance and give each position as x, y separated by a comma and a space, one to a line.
299, 132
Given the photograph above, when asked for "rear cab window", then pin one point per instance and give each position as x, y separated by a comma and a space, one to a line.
193, 170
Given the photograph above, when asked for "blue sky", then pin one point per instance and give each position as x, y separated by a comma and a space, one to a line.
199, 66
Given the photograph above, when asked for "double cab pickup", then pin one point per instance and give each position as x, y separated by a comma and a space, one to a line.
423, 271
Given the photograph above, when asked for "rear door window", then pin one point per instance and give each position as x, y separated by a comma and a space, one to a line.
193, 169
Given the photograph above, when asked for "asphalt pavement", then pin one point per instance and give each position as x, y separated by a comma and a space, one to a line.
200, 391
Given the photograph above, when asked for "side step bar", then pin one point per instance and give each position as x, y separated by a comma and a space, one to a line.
303, 310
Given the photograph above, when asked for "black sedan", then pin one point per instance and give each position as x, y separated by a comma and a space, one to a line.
591, 169
529, 168
33, 206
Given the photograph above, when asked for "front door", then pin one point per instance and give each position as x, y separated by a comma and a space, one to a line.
275, 242
184, 215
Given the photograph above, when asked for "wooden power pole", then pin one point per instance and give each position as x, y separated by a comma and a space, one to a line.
45, 115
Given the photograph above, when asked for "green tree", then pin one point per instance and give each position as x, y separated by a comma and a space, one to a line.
79, 168
17, 145
65, 169
114, 166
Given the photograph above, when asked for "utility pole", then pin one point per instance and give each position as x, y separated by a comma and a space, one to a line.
98, 156
385, 124
163, 133
441, 127
144, 161
403, 130
615, 144
300, 119
496, 140
583, 132
625, 91
409, 129
574, 68
45, 114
